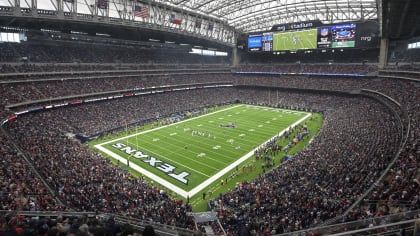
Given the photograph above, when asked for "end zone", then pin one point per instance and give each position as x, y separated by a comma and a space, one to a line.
203, 185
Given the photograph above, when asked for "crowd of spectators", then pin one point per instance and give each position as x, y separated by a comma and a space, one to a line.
56, 86
8, 68
402, 67
61, 51
404, 55
316, 68
358, 140
52, 67
27, 91
85, 181
399, 190
319, 183
21, 188
80, 224
28, 87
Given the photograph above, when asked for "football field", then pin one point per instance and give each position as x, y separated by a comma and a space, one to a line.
187, 156
305, 39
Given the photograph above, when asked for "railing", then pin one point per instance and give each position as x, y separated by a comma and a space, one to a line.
366, 226
373, 226
137, 224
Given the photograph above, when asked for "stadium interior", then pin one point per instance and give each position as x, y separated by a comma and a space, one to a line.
75, 71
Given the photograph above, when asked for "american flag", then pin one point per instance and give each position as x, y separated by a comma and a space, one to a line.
174, 20
140, 11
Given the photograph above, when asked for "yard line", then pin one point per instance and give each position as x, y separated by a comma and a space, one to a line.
231, 153
205, 183
173, 161
213, 178
177, 123
197, 140
207, 150
174, 151
145, 172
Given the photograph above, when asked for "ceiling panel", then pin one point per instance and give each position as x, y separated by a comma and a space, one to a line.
259, 15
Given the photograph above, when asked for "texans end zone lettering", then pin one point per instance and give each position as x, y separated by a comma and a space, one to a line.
152, 161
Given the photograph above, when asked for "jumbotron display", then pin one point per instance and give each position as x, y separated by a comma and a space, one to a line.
305, 36
304, 39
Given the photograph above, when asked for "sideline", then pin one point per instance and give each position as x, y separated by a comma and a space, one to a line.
204, 184
164, 126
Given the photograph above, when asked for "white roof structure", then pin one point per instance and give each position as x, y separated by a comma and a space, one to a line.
259, 15
218, 20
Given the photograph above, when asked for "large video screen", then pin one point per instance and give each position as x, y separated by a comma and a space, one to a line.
337, 36
267, 42
342, 35
324, 37
254, 43
295, 40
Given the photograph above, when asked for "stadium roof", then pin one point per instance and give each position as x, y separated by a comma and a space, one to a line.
259, 15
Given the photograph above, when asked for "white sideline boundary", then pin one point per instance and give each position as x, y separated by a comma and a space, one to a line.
162, 127
204, 184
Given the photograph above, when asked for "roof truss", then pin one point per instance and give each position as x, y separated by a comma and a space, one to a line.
256, 15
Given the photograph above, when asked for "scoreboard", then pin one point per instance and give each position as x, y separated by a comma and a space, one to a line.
337, 36
267, 42
344, 35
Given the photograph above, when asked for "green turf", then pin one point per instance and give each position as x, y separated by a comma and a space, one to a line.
203, 156
214, 190
305, 39
174, 144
